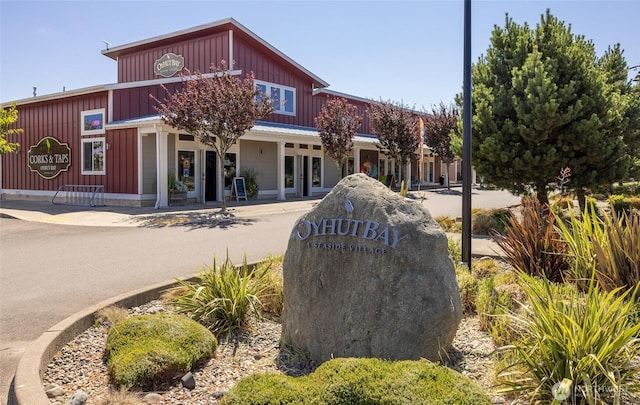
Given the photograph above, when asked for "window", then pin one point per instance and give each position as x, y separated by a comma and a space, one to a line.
93, 156
186, 137
92, 122
282, 97
288, 171
316, 172
229, 169
186, 168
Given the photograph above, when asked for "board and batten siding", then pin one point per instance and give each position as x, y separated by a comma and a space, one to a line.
198, 53
60, 119
121, 161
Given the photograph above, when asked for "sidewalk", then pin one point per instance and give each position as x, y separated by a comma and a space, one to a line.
123, 216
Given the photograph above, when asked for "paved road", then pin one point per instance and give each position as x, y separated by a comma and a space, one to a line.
49, 271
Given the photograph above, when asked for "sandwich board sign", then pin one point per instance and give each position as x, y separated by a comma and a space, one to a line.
238, 188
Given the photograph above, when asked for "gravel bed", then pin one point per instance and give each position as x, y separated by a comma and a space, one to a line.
80, 364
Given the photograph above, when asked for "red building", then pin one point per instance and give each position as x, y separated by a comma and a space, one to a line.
110, 139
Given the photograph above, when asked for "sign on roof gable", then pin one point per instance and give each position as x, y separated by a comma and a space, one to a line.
168, 65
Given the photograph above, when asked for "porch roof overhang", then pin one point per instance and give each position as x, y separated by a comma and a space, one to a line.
262, 131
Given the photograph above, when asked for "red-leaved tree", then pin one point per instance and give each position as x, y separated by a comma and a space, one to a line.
397, 130
217, 109
439, 128
337, 123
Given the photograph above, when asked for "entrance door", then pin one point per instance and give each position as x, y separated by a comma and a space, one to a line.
303, 176
210, 177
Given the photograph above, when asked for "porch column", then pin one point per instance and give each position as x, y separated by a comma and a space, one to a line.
162, 169
281, 169
356, 159
407, 176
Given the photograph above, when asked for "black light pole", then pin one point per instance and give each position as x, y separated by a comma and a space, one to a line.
466, 140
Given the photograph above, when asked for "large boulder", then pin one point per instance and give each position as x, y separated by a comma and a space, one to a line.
367, 273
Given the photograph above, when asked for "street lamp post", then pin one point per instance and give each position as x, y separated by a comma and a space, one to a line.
466, 140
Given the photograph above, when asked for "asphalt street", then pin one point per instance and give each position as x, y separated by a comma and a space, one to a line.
57, 260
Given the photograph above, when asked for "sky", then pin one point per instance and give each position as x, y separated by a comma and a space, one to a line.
410, 52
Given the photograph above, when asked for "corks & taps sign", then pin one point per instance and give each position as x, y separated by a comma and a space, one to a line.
49, 157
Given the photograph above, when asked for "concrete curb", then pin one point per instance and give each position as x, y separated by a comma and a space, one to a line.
27, 383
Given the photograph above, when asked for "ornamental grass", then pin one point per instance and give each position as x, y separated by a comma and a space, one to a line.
586, 339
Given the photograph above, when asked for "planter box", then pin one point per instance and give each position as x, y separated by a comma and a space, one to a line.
177, 198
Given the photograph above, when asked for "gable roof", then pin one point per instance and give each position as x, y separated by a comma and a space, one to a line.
204, 29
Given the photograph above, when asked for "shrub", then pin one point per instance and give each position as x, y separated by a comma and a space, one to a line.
251, 182
224, 298
586, 338
482, 223
591, 205
349, 381
271, 296
448, 224
532, 245
608, 246
143, 351
498, 296
501, 217
619, 203
468, 285
564, 203
617, 255
455, 250
578, 234
634, 202
485, 267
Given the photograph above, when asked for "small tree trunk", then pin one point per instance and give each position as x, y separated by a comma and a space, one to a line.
582, 200
446, 176
221, 169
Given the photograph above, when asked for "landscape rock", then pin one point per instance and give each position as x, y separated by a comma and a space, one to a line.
152, 398
54, 391
78, 398
367, 273
188, 381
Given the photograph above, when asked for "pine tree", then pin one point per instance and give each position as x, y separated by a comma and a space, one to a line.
541, 102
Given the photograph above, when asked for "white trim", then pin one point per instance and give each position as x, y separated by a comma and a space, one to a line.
281, 88
104, 157
103, 121
109, 106
139, 141
231, 50
153, 82
55, 96
343, 95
